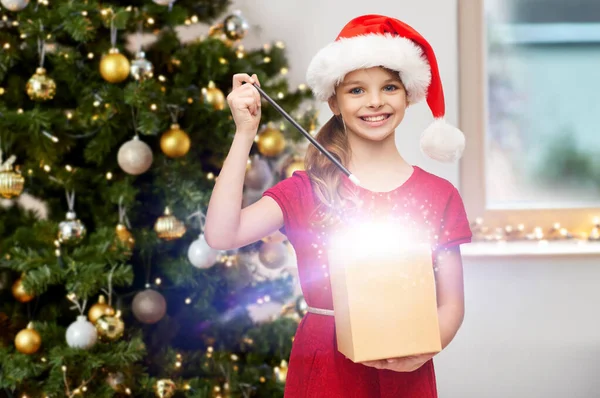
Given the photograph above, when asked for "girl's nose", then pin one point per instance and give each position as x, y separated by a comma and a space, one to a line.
375, 100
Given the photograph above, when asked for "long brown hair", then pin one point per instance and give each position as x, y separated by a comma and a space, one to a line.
325, 176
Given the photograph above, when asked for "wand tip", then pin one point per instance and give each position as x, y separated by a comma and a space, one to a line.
353, 178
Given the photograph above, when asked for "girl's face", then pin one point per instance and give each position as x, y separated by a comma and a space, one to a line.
371, 101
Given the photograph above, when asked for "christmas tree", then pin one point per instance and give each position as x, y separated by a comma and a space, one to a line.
110, 150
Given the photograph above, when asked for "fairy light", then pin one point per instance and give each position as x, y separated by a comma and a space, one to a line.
69, 168
284, 71
23, 35
6, 46
266, 60
150, 21
187, 387
96, 103
162, 78
222, 61
109, 176
84, 13
127, 391
158, 281
69, 115
15, 23
187, 22
190, 100
30, 172
20, 111
64, 368
43, 359
188, 300
178, 364
1, 90
153, 107
262, 379
47, 168
210, 176
90, 55
84, 388
194, 18
280, 45
302, 87
280, 95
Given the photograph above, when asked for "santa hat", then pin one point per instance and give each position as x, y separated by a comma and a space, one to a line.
376, 40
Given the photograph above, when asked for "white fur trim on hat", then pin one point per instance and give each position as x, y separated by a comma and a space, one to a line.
329, 66
443, 142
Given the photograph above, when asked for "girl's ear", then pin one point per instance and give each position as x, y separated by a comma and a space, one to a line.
333, 105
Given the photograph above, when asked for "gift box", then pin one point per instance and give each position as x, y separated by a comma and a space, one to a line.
384, 296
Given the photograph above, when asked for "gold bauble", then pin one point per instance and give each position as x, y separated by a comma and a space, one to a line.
168, 227
99, 310
28, 340
40, 87
281, 371
110, 327
214, 96
296, 165
11, 183
165, 388
175, 142
125, 236
20, 293
271, 142
114, 66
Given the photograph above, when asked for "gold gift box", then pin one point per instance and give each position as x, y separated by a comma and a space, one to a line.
384, 295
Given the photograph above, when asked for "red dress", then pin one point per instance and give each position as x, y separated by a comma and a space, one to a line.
316, 368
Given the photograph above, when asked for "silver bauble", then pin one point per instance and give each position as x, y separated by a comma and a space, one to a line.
135, 156
81, 333
258, 174
14, 5
272, 254
71, 231
149, 306
164, 2
235, 26
201, 255
141, 68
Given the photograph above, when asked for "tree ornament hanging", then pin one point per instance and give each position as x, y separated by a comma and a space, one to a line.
200, 254
214, 96
164, 2
235, 26
28, 341
149, 306
174, 142
41, 87
258, 174
19, 292
11, 182
168, 227
14, 5
272, 254
110, 327
271, 142
114, 66
165, 388
122, 233
71, 231
81, 334
135, 156
141, 69
100, 309
297, 164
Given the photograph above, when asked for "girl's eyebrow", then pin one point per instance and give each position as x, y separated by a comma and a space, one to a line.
391, 80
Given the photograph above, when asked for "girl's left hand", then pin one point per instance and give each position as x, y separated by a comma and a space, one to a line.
402, 364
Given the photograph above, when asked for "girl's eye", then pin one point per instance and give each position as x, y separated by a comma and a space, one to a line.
356, 90
390, 87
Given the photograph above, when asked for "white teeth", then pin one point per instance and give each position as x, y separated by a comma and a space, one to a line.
375, 118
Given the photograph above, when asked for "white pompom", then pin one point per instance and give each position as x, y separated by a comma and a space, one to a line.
442, 141
81, 333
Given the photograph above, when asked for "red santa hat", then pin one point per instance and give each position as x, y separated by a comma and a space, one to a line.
376, 40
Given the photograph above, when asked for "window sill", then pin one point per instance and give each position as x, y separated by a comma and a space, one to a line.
530, 248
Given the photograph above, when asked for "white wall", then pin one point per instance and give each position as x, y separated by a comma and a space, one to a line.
531, 328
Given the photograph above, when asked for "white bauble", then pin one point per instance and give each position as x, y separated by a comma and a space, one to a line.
81, 333
201, 255
14, 5
135, 156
